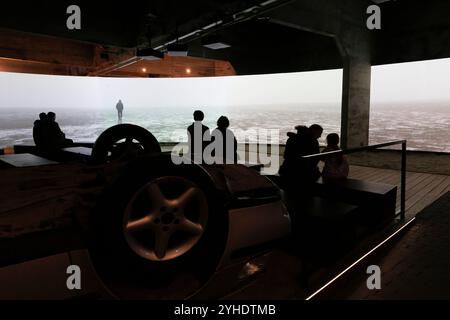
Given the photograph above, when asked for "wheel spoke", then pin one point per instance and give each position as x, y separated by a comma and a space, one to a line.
156, 195
185, 197
161, 243
191, 227
140, 224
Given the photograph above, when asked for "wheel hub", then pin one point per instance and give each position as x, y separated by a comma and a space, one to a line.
161, 227
168, 218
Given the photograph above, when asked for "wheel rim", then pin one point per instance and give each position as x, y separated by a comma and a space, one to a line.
165, 219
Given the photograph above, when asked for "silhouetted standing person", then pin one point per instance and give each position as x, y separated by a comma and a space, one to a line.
198, 137
119, 107
225, 142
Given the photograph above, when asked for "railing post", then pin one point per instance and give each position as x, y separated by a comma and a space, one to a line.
403, 183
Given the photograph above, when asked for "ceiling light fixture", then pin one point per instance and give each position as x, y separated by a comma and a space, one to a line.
214, 42
149, 54
177, 50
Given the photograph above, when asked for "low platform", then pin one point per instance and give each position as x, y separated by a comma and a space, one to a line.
24, 160
376, 200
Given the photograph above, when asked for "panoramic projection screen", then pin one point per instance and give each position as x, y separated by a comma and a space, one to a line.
412, 101
86, 106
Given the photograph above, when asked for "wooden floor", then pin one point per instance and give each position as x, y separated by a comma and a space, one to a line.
422, 189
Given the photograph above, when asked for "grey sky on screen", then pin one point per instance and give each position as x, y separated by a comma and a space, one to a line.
24, 90
426, 81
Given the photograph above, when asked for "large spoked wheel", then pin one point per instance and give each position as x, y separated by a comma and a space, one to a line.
122, 143
159, 231
159, 226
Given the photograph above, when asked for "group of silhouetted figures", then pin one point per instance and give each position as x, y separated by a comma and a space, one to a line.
47, 134
221, 146
222, 138
295, 169
299, 170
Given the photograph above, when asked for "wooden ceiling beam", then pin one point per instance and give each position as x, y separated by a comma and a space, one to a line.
62, 53
23, 66
176, 67
31, 47
30, 53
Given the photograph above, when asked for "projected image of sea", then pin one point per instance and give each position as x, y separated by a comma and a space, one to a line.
425, 127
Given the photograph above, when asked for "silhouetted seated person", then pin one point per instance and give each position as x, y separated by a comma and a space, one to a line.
336, 166
55, 137
198, 137
225, 143
39, 128
296, 171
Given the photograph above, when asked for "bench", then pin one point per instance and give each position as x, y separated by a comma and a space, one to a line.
24, 160
376, 200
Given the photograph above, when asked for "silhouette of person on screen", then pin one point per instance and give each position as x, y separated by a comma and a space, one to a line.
119, 107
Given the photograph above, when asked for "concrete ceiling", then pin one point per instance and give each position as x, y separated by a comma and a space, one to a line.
265, 37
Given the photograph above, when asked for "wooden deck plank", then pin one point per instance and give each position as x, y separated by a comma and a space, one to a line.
427, 196
368, 174
422, 192
419, 187
445, 190
430, 198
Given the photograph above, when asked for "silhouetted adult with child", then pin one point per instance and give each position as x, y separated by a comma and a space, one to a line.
336, 166
198, 137
225, 142
295, 170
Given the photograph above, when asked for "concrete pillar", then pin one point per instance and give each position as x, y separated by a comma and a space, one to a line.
354, 45
355, 102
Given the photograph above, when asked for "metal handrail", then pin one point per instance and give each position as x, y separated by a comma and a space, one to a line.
402, 211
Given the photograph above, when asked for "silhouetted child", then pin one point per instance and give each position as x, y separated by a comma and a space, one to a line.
225, 141
336, 166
